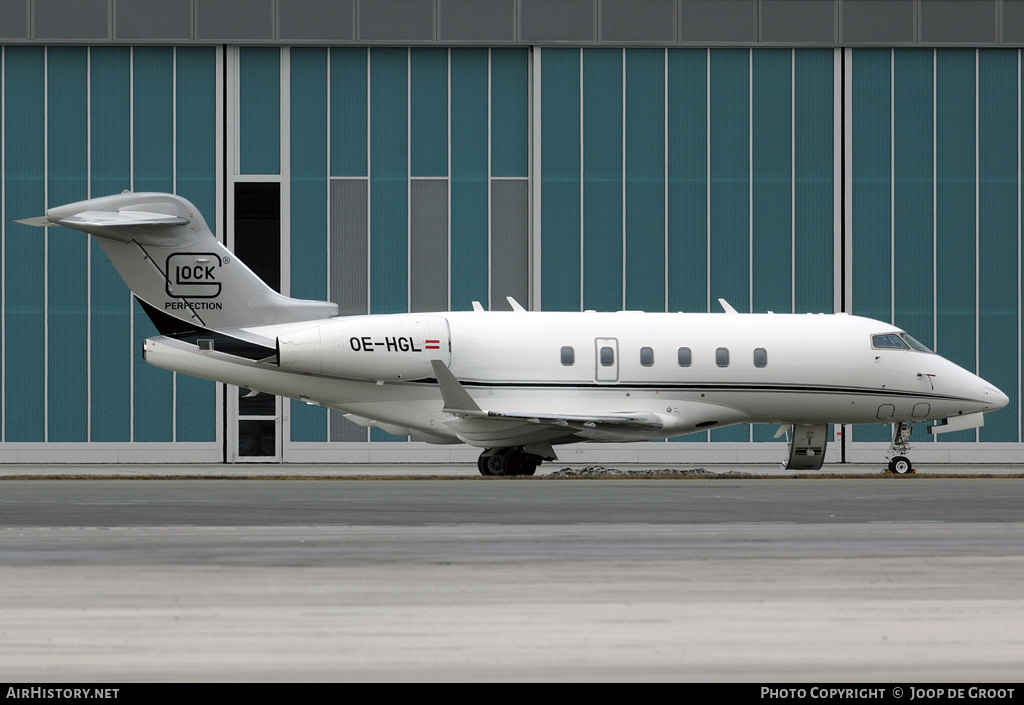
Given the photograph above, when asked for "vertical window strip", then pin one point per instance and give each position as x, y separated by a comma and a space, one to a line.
935, 200
892, 186
622, 195
792, 183
750, 180
88, 249
448, 171
977, 223
3, 241
707, 188
583, 274
46, 245
174, 181
665, 189
490, 245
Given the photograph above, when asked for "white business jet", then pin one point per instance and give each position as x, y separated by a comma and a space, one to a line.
517, 383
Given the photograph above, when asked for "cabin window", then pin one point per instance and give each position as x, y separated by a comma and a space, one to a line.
647, 356
722, 357
568, 355
607, 356
760, 357
685, 357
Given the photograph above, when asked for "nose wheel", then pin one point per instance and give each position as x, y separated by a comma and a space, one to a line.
899, 463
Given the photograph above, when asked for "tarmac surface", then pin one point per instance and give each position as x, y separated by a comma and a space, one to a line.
725, 577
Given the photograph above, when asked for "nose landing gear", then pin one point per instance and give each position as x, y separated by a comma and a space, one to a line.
899, 463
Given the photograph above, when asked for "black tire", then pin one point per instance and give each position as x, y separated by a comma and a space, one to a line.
520, 463
900, 465
490, 465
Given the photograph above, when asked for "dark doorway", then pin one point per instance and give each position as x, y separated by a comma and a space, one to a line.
258, 229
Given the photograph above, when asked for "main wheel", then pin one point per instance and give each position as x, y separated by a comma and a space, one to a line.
520, 463
900, 465
494, 462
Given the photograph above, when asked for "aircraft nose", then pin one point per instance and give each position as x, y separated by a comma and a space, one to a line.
996, 397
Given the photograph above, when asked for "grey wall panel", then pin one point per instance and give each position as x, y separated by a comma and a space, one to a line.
315, 20
146, 20
958, 21
638, 21
718, 21
477, 20
397, 20
877, 21
558, 20
799, 21
349, 245
71, 19
510, 238
1013, 22
242, 20
428, 245
14, 19
342, 430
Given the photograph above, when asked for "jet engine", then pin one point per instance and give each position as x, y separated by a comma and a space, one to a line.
378, 348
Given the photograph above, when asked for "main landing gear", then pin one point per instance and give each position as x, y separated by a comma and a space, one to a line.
507, 462
899, 463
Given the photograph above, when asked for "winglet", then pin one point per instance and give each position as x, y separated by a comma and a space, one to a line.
455, 396
726, 306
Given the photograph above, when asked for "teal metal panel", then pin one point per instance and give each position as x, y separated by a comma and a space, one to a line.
259, 114
153, 129
67, 394
110, 301
645, 180
687, 153
510, 112
772, 186
814, 119
956, 210
560, 180
871, 205
469, 178
196, 122
998, 241
730, 176
348, 112
24, 275
602, 179
729, 266
428, 112
913, 204
771, 190
308, 205
872, 138
388, 181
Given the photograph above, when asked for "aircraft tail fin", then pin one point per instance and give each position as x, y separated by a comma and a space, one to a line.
186, 280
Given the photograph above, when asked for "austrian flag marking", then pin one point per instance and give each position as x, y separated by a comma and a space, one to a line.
432, 344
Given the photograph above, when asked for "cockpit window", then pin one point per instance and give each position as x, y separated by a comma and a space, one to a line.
914, 343
888, 341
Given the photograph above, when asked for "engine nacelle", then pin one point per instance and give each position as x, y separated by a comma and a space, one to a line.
379, 348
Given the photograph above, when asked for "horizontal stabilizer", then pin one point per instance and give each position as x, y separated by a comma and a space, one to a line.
105, 219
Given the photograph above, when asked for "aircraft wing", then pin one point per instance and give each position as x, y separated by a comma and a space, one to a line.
480, 426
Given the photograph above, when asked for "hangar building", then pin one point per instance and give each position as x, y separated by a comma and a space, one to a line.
411, 155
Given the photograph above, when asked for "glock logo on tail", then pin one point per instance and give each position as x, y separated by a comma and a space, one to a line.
193, 275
